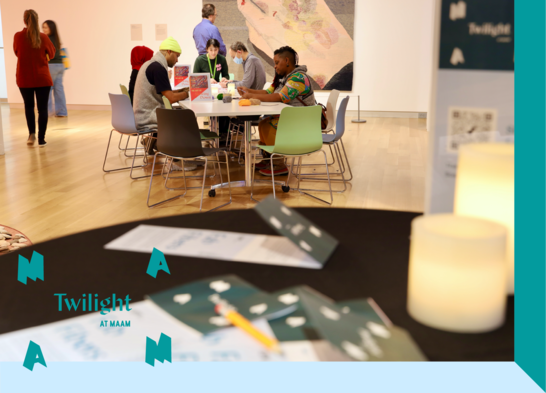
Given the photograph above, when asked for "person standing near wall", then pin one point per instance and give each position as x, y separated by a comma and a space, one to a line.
33, 50
56, 69
139, 56
206, 30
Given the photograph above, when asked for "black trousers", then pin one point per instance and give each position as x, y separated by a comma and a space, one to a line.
42, 99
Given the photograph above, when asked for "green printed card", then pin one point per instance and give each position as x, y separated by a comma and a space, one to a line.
193, 303
314, 241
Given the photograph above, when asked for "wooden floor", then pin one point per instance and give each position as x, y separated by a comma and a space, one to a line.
61, 189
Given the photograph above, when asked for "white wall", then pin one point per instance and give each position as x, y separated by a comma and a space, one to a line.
3, 86
393, 46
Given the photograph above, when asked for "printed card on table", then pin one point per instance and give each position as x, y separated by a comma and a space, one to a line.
200, 89
301, 244
314, 241
299, 325
181, 75
357, 336
193, 304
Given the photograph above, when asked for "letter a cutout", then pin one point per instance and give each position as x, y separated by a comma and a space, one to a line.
34, 355
157, 263
161, 350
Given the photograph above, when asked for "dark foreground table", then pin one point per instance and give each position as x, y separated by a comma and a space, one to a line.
371, 261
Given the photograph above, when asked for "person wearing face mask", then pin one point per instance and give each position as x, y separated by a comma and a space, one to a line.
153, 84
292, 86
213, 63
254, 71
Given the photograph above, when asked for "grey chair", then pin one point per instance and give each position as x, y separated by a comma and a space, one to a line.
335, 141
124, 90
123, 121
178, 137
331, 105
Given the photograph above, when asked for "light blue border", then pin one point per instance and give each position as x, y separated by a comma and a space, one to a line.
530, 344
388, 377
260, 377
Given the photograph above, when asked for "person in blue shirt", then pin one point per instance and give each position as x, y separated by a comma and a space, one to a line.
206, 30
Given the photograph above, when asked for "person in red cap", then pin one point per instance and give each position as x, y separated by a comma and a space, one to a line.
139, 56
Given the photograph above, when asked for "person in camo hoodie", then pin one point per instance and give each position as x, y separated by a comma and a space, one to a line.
153, 84
291, 86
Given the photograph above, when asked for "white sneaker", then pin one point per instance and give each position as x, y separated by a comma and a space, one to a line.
187, 167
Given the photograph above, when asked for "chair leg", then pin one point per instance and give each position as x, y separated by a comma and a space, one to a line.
120, 139
330, 163
346, 160
133, 165
301, 190
228, 179
252, 180
287, 183
203, 185
117, 169
272, 174
219, 168
150, 187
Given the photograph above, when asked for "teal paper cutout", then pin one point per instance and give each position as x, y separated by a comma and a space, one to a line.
33, 269
34, 355
157, 263
161, 351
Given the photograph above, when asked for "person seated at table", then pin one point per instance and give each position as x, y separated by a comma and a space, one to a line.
254, 71
152, 85
291, 86
139, 56
212, 62
216, 66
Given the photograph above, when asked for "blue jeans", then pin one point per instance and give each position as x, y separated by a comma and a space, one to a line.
57, 91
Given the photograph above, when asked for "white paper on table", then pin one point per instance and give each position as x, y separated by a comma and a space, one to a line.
82, 339
202, 243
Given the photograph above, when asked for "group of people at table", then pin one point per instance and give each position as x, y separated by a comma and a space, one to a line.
150, 80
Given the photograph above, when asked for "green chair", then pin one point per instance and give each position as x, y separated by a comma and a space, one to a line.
124, 90
206, 135
298, 134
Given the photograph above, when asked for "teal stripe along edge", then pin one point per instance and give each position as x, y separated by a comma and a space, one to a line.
530, 198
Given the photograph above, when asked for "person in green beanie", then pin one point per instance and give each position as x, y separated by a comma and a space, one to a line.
153, 84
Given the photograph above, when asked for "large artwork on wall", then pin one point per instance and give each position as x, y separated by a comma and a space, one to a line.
321, 31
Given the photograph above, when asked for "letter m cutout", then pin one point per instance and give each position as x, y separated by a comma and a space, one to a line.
33, 269
161, 351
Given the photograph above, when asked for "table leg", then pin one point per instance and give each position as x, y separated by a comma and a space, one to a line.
248, 153
248, 161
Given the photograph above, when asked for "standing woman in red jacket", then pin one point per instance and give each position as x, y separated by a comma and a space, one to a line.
33, 50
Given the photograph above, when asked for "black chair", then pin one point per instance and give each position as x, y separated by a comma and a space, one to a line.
178, 137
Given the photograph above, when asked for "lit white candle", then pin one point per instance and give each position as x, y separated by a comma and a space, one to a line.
485, 188
457, 273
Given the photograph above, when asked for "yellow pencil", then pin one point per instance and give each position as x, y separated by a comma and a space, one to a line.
244, 324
